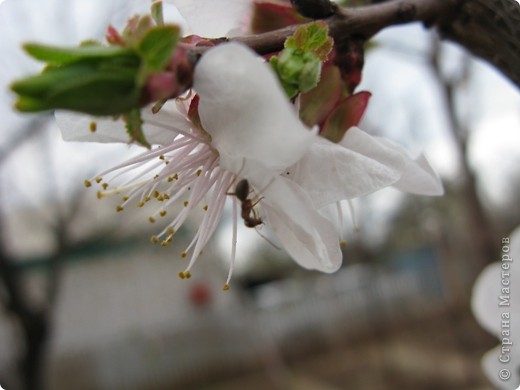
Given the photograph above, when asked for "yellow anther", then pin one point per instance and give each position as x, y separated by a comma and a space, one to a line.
140, 204
104, 185
160, 198
125, 198
161, 157
165, 196
93, 127
99, 194
187, 274
156, 194
151, 219
226, 287
119, 208
199, 171
98, 179
205, 208
156, 177
186, 203
154, 239
182, 275
162, 213
184, 254
173, 177
147, 198
170, 231
87, 183
343, 243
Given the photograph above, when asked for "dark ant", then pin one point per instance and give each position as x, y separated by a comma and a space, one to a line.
242, 193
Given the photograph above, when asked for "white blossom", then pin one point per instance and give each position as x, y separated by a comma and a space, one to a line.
251, 132
496, 303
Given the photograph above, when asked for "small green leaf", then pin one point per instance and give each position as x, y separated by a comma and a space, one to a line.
297, 71
298, 65
157, 13
61, 56
136, 28
156, 47
93, 88
310, 73
134, 127
314, 38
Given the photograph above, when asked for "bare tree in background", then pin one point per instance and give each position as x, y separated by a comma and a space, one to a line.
34, 320
479, 228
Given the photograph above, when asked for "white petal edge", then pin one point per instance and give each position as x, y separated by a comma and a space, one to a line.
418, 177
488, 288
484, 300
309, 238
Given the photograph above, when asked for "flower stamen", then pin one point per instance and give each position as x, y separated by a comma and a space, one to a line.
233, 244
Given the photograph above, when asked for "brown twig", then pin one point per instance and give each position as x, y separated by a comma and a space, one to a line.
489, 29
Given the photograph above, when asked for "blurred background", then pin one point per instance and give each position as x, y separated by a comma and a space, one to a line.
89, 303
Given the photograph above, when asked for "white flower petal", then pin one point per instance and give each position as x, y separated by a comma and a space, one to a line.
159, 129
485, 303
213, 18
309, 238
484, 300
488, 288
77, 127
418, 176
330, 172
246, 112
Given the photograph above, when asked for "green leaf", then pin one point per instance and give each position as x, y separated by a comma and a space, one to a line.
314, 38
156, 47
83, 87
297, 71
97, 79
62, 56
310, 73
157, 13
298, 65
134, 128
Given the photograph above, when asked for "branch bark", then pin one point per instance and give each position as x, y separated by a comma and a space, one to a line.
489, 29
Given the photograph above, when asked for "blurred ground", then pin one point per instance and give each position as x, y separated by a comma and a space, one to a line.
439, 352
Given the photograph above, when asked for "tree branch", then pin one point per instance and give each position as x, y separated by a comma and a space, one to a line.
489, 29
